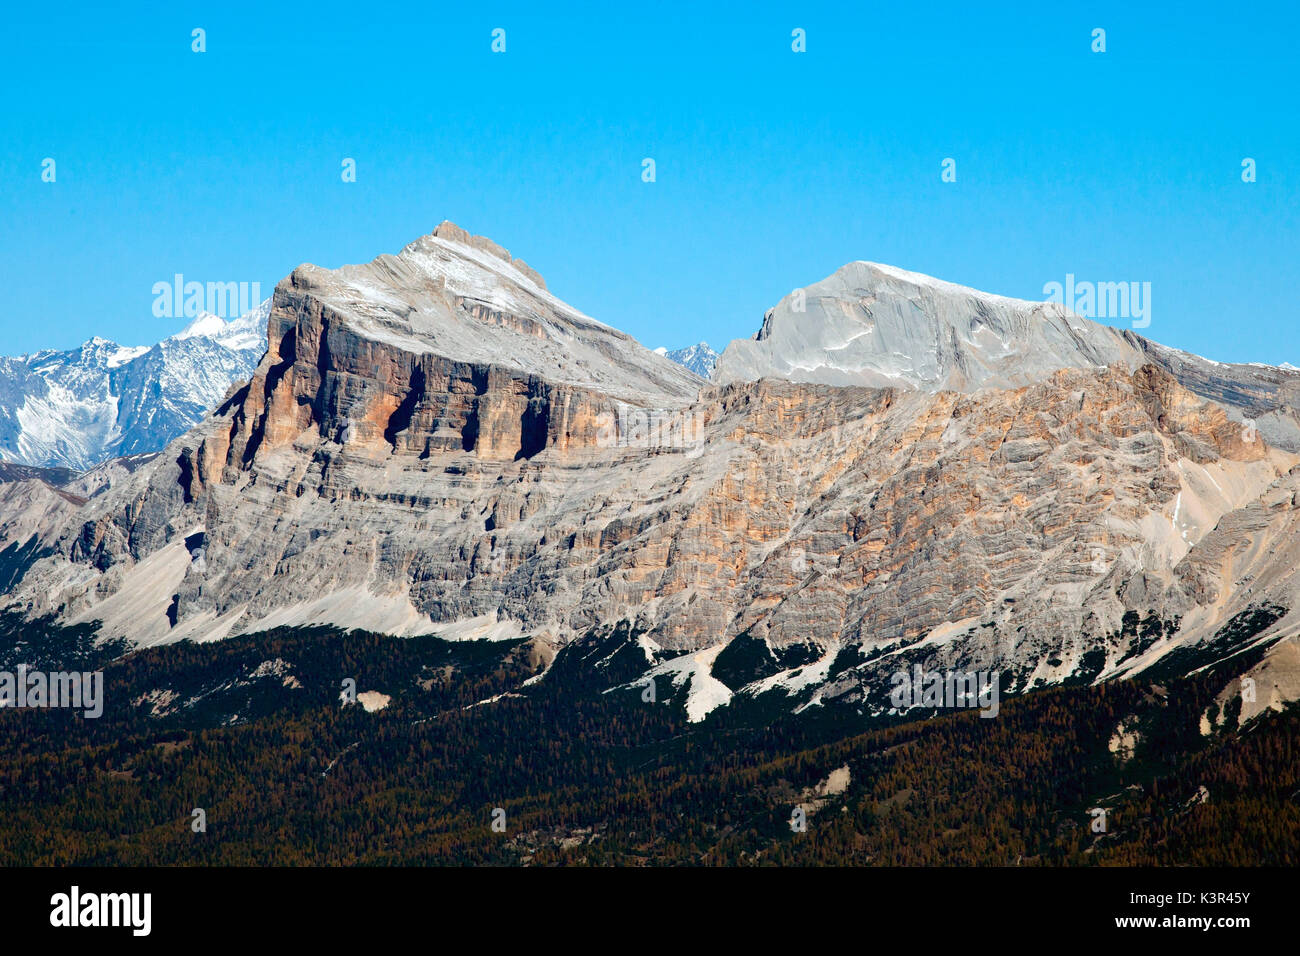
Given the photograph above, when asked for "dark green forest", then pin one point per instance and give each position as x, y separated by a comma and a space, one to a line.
252, 731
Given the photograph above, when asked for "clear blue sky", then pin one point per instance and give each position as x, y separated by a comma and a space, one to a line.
773, 168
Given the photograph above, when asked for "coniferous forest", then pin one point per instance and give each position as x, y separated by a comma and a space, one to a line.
468, 764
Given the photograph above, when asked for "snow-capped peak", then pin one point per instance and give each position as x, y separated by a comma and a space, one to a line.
699, 358
126, 353
78, 407
234, 333
205, 325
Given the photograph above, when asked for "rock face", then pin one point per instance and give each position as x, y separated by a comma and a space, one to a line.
433, 443
1266, 395
876, 325
81, 407
33, 500
28, 506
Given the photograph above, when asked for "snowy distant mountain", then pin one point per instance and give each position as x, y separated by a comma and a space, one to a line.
79, 407
700, 359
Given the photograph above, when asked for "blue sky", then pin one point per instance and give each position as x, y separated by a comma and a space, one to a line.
773, 168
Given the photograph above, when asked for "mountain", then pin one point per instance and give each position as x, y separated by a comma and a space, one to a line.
33, 499
700, 359
52, 476
434, 444
880, 326
80, 407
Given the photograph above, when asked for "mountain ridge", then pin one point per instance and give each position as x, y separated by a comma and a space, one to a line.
77, 408
877, 325
432, 445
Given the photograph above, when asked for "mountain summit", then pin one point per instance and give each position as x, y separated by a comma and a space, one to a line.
699, 358
881, 326
460, 296
876, 325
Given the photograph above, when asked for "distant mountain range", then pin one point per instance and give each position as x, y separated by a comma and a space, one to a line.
700, 359
80, 407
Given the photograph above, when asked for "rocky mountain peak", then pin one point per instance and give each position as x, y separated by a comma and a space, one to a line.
450, 232
463, 299
878, 325
698, 358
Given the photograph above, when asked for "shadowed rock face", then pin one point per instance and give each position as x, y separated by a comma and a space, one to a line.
321, 375
434, 444
449, 346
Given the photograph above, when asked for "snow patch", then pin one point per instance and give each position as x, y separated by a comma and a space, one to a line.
706, 693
